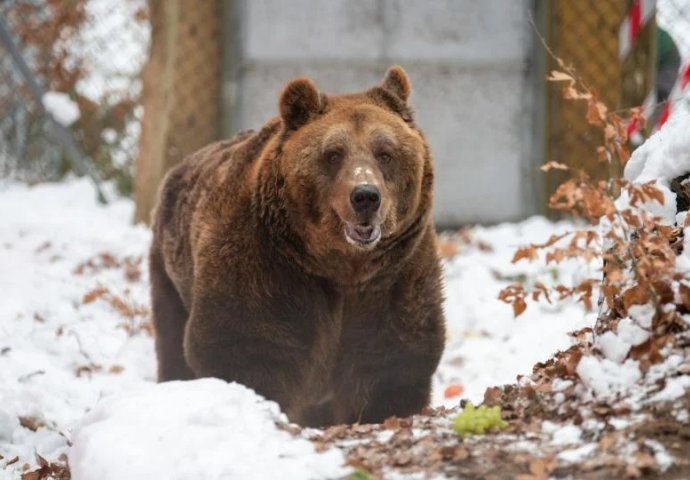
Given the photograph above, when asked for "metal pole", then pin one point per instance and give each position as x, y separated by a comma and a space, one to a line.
62, 135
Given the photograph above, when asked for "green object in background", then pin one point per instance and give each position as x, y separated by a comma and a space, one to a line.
665, 46
360, 474
473, 421
668, 64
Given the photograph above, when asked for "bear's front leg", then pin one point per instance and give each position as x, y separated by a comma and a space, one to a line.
225, 340
387, 373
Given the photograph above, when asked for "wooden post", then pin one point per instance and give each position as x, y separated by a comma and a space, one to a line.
181, 95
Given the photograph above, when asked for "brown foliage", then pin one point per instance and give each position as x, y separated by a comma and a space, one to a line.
48, 470
637, 251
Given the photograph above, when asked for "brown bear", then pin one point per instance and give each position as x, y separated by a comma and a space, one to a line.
300, 260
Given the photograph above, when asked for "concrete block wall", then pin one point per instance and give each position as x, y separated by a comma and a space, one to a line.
467, 60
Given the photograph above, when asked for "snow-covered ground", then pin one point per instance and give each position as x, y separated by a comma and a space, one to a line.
62, 350
74, 326
486, 345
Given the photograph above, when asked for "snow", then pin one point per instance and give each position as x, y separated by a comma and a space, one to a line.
62, 357
577, 454
558, 384
682, 416
61, 107
631, 333
608, 378
662, 457
486, 346
568, 434
613, 347
642, 314
204, 429
47, 333
562, 434
675, 388
616, 345
663, 157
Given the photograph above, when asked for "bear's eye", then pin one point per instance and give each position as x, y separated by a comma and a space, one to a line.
385, 157
333, 157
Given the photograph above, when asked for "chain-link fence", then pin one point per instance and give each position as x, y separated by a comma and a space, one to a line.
631, 53
87, 55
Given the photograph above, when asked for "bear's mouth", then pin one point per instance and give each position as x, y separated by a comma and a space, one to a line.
363, 235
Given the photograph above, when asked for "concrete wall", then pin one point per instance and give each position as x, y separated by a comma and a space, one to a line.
467, 60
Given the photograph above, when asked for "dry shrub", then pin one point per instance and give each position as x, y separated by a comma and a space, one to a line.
638, 251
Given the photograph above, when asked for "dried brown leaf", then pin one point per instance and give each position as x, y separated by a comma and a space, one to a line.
94, 294
529, 253
519, 306
557, 76
553, 165
596, 112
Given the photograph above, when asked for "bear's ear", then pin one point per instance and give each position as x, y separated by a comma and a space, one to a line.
397, 82
299, 102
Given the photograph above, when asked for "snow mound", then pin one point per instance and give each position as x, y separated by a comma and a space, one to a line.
607, 378
201, 429
665, 155
661, 158
61, 107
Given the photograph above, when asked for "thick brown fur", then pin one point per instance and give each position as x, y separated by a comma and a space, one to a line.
253, 279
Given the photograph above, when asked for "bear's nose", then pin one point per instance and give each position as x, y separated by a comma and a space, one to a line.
365, 199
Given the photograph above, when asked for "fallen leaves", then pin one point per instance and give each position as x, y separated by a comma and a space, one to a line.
93, 295
424, 445
131, 266
134, 314
514, 294
47, 470
539, 469
527, 253
31, 423
116, 369
450, 244
519, 306
453, 391
447, 248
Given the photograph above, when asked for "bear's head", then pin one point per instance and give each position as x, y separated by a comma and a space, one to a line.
356, 171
